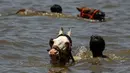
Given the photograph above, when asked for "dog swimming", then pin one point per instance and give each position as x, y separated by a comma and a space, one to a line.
97, 46
55, 11
60, 49
91, 13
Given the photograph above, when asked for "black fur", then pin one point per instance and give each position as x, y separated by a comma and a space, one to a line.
97, 43
56, 8
100, 16
97, 46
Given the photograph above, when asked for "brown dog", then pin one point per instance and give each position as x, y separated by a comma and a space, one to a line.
91, 13
29, 12
60, 52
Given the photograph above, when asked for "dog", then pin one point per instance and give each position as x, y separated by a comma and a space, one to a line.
97, 46
56, 8
60, 52
90, 13
29, 12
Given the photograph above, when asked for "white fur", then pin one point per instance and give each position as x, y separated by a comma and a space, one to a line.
28, 11
61, 31
69, 33
60, 42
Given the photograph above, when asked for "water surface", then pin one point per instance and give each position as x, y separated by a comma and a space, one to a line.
24, 39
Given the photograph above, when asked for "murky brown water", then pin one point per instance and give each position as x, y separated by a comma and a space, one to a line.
24, 39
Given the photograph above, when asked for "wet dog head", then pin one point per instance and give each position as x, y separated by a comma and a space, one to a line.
56, 8
60, 52
91, 13
97, 46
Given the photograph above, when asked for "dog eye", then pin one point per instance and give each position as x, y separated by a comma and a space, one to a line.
67, 44
48, 50
51, 42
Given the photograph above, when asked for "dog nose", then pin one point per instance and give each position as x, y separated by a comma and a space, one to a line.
52, 52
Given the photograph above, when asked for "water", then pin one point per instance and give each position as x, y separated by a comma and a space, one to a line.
24, 40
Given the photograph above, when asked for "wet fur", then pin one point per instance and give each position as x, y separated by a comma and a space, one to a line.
29, 12
97, 16
97, 46
66, 55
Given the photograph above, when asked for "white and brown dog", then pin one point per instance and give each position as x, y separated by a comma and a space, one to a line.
30, 12
55, 10
60, 52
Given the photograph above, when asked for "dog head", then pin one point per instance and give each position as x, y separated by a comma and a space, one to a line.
97, 45
91, 13
56, 8
60, 52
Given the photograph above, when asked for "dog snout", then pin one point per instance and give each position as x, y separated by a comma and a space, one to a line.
53, 52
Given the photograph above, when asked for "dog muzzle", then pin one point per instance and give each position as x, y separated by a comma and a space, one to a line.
57, 55
54, 54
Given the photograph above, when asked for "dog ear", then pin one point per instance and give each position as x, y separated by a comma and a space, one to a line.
79, 9
69, 33
51, 42
61, 31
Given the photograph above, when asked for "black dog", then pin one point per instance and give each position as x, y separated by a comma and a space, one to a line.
91, 13
56, 8
60, 52
97, 46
